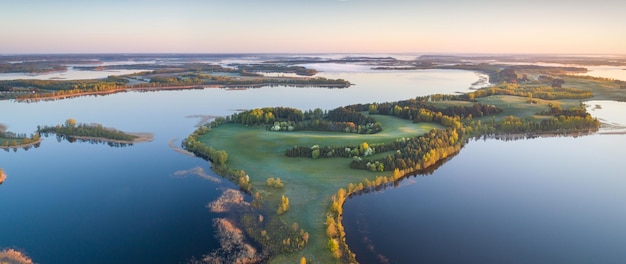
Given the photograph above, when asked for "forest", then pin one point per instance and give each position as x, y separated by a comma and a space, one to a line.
31, 67
299, 70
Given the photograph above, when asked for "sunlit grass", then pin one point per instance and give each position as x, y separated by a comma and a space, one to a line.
602, 89
308, 183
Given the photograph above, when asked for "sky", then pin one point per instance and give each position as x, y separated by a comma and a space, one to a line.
313, 26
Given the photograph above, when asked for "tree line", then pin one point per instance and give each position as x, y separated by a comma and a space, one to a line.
226, 80
553, 92
299, 70
421, 152
9, 139
71, 129
31, 67
290, 119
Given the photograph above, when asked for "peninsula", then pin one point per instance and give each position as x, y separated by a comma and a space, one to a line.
300, 166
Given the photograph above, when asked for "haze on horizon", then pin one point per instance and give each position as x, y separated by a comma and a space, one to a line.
308, 26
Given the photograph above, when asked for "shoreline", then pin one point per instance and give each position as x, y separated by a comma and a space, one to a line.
140, 137
179, 149
167, 88
23, 145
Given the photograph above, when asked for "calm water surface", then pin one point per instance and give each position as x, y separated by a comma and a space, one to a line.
82, 203
545, 200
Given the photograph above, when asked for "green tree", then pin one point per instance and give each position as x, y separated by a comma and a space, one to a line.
70, 123
283, 206
220, 157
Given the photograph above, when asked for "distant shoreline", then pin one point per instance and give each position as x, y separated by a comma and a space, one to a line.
166, 88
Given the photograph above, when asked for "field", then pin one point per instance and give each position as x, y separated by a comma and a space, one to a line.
308, 183
601, 88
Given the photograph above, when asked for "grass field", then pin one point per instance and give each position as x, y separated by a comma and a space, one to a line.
309, 183
602, 89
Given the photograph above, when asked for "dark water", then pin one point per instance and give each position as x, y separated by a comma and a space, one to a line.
547, 200
82, 203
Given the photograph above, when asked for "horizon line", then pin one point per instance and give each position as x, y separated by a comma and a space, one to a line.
316, 53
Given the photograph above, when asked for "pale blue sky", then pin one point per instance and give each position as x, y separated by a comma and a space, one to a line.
297, 26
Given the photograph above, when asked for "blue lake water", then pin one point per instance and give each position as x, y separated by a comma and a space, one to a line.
83, 203
545, 200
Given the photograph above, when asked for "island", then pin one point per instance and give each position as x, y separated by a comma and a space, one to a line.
155, 77
72, 131
300, 166
13, 140
12, 256
3, 176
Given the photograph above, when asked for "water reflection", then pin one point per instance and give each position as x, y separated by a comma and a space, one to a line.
501, 201
92, 141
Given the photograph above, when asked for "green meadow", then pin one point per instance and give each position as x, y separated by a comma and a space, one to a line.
308, 183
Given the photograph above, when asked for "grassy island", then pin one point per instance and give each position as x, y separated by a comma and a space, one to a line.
300, 166
93, 132
10, 140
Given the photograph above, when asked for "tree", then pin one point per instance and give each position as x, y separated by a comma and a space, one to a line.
220, 157
558, 83
364, 146
283, 206
333, 246
315, 153
70, 122
507, 75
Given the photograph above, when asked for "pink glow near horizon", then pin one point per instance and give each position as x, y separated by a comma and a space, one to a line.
312, 26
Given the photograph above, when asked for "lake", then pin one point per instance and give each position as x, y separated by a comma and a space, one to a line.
544, 200
84, 203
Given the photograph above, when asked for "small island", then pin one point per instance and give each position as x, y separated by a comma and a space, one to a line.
13, 140
12, 256
73, 131
3, 176
301, 166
